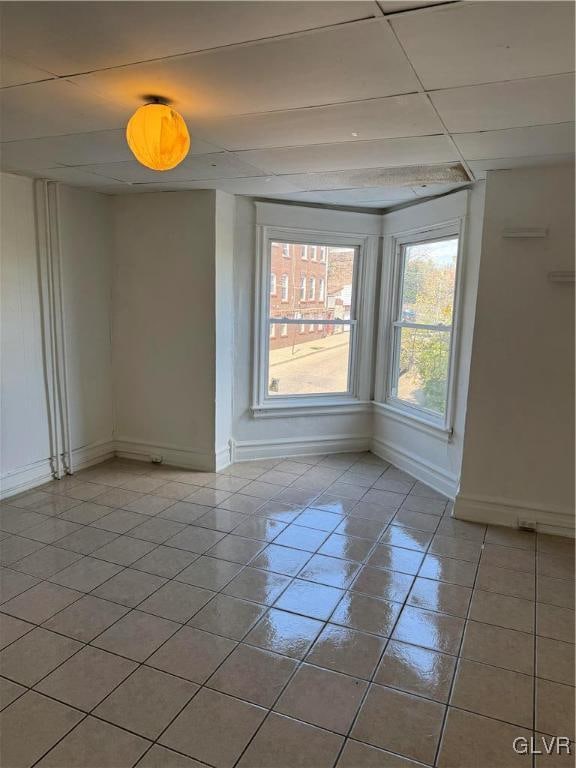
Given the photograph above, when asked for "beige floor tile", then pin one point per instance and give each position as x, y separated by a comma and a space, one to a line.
494, 692
15, 548
157, 529
34, 655
228, 616
149, 505
366, 613
555, 592
136, 635
86, 618
388, 585
46, 562
509, 537
184, 512
437, 631
31, 726
555, 660
284, 632
210, 573
85, 513
12, 583
477, 742
347, 547
416, 670
319, 519
346, 650
460, 549
86, 574
223, 520
395, 559
253, 674
259, 528
119, 521
422, 522
192, 654
94, 744
124, 550
553, 564
314, 600
439, 596
408, 538
9, 692
165, 561
502, 610
11, 629
257, 585
299, 537
129, 587
214, 728
332, 571
460, 529
558, 758
399, 722
236, 549
195, 539
177, 491
358, 755
429, 506
361, 528
283, 560
176, 601
287, 743
239, 502
370, 510
161, 757
508, 557
85, 679
322, 697
449, 570
555, 708
499, 647
506, 582
551, 621
86, 540
146, 702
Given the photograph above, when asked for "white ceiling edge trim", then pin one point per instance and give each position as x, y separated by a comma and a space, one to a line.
310, 218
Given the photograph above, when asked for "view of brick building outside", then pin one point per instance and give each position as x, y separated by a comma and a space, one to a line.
308, 282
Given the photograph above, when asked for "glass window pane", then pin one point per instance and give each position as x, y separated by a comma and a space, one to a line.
429, 279
307, 359
422, 368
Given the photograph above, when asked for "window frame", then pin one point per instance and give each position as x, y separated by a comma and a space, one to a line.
359, 366
415, 414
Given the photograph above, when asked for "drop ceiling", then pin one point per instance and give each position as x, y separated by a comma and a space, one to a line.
344, 103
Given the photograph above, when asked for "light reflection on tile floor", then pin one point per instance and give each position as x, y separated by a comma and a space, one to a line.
313, 612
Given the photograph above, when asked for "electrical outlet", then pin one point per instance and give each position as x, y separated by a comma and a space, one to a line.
526, 525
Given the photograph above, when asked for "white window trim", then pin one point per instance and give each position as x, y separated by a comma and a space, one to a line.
386, 402
361, 328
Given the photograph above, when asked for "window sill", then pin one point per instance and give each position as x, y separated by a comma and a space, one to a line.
333, 407
410, 420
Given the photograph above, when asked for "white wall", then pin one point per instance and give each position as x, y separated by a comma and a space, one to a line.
426, 453
284, 435
164, 328
86, 267
25, 442
519, 444
82, 257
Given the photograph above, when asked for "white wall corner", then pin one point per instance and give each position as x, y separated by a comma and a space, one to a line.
436, 477
175, 456
24, 478
95, 453
249, 450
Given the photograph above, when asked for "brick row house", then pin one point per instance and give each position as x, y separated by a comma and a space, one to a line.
308, 282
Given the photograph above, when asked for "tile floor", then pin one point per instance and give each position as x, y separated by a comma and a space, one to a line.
313, 612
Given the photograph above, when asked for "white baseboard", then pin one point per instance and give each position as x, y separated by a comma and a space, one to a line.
24, 478
169, 454
92, 454
513, 513
224, 457
430, 474
248, 450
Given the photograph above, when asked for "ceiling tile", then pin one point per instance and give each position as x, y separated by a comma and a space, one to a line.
13, 72
52, 108
221, 165
396, 6
67, 38
432, 190
374, 177
481, 167
353, 154
77, 149
517, 142
410, 115
77, 177
482, 42
345, 63
517, 103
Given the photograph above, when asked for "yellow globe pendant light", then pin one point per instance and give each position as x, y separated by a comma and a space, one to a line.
158, 136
